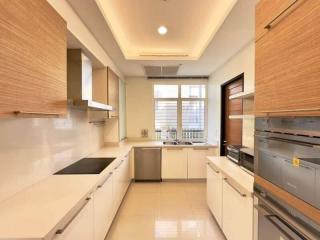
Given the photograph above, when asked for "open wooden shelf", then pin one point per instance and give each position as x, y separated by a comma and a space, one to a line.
243, 95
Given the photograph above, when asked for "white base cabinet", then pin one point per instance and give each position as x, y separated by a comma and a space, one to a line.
237, 213
81, 226
197, 159
174, 163
231, 206
93, 219
214, 192
185, 163
103, 208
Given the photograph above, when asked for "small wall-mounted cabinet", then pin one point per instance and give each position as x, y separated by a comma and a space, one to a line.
113, 93
287, 58
33, 58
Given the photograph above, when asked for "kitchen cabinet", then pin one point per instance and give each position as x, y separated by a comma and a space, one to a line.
288, 58
237, 211
113, 93
214, 192
103, 208
121, 182
197, 158
80, 226
267, 12
33, 60
174, 163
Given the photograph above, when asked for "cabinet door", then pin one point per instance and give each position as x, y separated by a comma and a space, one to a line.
237, 211
81, 227
197, 159
214, 192
33, 76
174, 163
103, 208
113, 93
287, 64
267, 12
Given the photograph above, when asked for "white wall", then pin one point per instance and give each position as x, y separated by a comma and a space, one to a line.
122, 110
242, 62
32, 149
140, 103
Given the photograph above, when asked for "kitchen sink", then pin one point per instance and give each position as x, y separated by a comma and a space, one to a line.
87, 166
177, 143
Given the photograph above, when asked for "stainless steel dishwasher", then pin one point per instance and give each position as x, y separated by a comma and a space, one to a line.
147, 164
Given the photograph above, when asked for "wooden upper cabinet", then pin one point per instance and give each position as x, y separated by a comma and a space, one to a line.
33, 76
288, 64
270, 12
113, 93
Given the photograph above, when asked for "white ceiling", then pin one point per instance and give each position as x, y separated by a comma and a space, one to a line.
235, 32
190, 25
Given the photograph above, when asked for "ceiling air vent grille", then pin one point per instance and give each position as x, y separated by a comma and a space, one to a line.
159, 71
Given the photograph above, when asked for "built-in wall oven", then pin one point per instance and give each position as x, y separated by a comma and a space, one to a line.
287, 155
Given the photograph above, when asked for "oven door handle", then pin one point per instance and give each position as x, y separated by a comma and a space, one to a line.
305, 144
298, 231
283, 229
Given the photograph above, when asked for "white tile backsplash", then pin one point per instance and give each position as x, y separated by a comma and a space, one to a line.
32, 149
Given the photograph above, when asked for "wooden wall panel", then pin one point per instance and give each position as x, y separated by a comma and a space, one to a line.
32, 58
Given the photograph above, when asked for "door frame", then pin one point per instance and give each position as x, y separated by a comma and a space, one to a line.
222, 109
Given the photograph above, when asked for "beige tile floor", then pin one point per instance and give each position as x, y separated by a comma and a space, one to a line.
167, 210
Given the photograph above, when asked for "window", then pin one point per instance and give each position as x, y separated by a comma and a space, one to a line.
180, 112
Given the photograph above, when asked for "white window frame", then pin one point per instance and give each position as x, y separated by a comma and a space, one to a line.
179, 105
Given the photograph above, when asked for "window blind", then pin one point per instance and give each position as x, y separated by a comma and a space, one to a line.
166, 119
193, 122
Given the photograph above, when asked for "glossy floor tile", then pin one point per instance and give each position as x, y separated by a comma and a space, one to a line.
161, 211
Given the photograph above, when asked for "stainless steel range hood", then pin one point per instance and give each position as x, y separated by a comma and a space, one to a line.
79, 70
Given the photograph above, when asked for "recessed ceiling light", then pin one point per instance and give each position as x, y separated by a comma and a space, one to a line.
162, 30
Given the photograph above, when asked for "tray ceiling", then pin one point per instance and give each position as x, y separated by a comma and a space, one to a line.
191, 26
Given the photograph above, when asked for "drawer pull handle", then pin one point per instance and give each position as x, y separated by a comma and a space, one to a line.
105, 180
35, 114
215, 170
119, 164
269, 25
60, 231
236, 189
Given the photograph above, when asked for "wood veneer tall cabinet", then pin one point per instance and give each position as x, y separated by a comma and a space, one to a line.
287, 58
113, 93
33, 59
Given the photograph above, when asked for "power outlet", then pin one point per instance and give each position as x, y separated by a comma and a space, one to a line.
144, 133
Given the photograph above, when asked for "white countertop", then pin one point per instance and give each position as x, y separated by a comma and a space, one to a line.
233, 171
38, 211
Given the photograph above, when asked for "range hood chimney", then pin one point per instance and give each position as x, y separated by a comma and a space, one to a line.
79, 73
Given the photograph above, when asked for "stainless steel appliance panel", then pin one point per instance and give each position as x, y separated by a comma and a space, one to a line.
287, 153
270, 166
299, 180
147, 164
